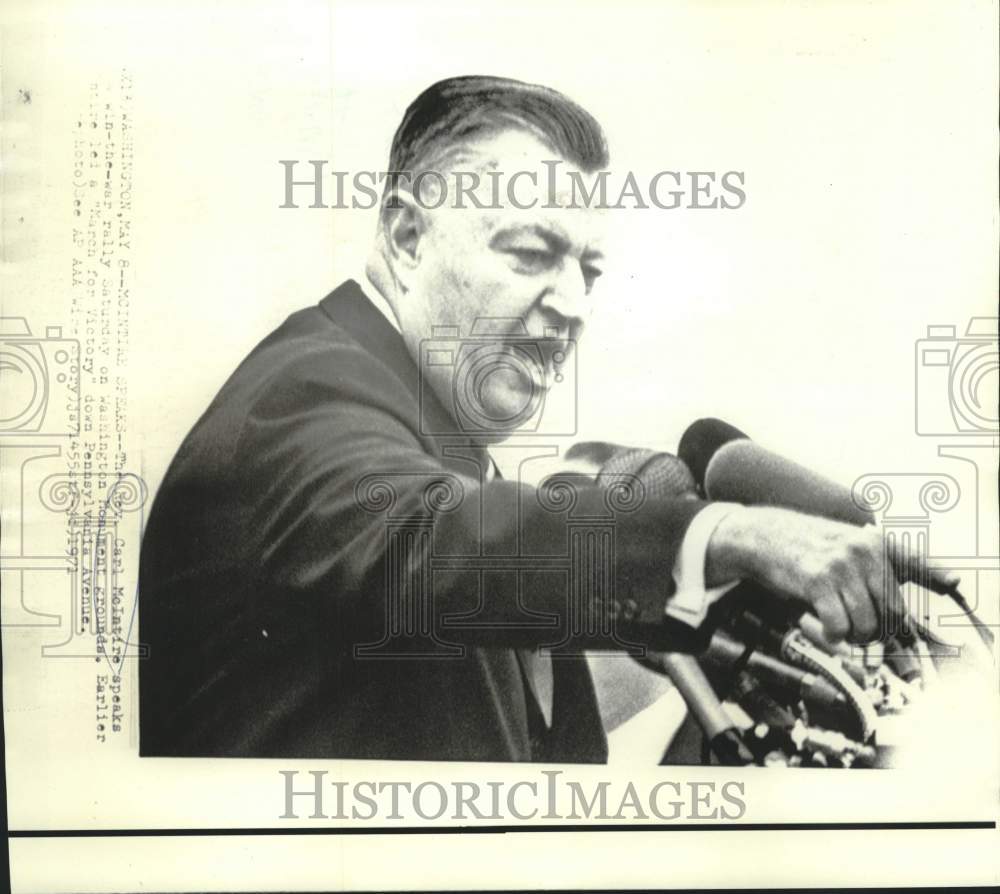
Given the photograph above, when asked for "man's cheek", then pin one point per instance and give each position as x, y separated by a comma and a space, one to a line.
478, 293
441, 287
501, 292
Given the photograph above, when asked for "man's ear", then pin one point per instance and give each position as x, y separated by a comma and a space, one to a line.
404, 223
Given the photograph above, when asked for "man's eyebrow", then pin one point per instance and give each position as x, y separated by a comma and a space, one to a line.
555, 241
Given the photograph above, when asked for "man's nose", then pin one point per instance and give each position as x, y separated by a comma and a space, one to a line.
567, 296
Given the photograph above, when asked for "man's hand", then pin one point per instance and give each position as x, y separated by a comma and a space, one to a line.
850, 576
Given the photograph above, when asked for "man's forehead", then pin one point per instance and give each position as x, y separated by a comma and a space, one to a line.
515, 182
528, 187
512, 146
508, 152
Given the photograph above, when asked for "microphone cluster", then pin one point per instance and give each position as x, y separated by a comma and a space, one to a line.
770, 689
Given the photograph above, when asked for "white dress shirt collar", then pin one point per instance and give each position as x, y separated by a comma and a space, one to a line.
372, 293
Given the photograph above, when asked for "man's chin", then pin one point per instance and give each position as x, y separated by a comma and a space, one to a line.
505, 413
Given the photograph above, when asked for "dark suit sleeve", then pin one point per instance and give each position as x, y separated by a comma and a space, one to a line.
350, 517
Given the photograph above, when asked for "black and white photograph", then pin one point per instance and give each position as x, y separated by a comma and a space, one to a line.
555, 445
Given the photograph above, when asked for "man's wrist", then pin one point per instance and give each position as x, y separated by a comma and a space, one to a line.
730, 552
692, 597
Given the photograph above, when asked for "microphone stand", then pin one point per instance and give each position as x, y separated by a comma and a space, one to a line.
722, 735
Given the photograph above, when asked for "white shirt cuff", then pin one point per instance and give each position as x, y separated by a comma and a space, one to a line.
692, 600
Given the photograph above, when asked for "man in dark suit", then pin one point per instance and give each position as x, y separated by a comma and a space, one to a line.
332, 566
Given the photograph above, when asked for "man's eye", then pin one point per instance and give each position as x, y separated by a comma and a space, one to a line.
531, 257
591, 274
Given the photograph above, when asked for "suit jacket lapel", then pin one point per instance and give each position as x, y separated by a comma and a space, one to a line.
350, 309
572, 736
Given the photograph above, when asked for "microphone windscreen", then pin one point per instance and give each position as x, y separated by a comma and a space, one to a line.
662, 475
744, 472
701, 441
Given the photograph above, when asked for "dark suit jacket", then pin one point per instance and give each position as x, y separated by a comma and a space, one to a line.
320, 579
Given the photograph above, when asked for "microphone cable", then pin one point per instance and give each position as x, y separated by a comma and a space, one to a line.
985, 634
797, 649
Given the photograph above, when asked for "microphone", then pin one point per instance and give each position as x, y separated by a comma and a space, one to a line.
728, 466
777, 731
764, 620
729, 654
662, 475
721, 732
701, 441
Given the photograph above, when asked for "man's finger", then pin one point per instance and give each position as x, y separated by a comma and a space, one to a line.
833, 613
887, 599
941, 580
858, 601
910, 565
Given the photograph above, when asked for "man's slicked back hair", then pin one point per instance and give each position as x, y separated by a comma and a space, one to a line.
456, 111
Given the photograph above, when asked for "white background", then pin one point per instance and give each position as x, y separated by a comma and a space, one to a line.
867, 134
